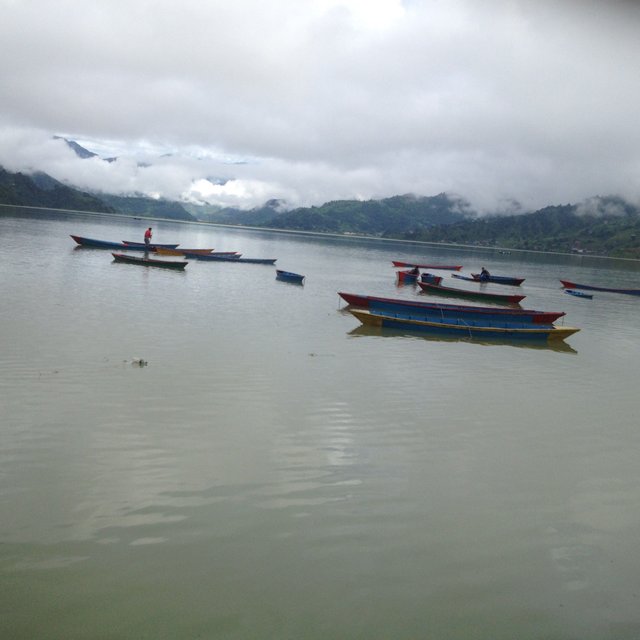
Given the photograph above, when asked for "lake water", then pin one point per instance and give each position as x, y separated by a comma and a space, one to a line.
277, 471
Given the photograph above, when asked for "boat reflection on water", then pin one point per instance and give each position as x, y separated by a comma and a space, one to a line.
383, 332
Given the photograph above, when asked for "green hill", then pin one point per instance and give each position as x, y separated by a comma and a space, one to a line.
41, 190
389, 217
602, 226
147, 207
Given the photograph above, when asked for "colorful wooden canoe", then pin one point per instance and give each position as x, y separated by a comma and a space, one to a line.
567, 284
476, 277
106, 244
471, 295
446, 310
578, 294
148, 262
289, 276
463, 327
443, 267
230, 258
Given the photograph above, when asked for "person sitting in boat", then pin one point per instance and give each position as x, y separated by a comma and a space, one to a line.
147, 236
484, 274
415, 271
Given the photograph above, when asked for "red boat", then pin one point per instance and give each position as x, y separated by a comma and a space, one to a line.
445, 309
407, 277
444, 267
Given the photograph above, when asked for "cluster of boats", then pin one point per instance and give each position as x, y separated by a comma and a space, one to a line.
511, 323
457, 320
484, 322
479, 322
161, 251
165, 250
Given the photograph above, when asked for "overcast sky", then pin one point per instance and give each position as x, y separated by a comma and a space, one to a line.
313, 100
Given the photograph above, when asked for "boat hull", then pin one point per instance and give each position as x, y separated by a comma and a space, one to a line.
443, 267
131, 243
166, 251
475, 277
578, 294
406, 277
230, 258
445, 310
149, 262
462, 328
92, 243
289, 276
471, 295
567, 284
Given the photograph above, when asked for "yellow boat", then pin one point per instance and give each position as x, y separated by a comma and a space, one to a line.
463, 326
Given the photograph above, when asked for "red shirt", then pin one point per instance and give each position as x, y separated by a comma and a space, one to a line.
147, 234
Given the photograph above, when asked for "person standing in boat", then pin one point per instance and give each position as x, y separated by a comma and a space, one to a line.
147, 236
484, 274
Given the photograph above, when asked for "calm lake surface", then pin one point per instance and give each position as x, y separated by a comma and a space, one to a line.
277, 471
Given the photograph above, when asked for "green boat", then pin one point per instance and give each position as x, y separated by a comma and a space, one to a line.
501, 298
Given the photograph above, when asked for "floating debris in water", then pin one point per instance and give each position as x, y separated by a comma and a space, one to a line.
138, 362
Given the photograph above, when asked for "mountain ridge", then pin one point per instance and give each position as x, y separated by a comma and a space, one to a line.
602, 225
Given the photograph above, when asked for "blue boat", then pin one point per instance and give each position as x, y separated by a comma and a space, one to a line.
106, 244
289, 276
572, 285
476, 277
463, 327
408, 276
578, 294
448, 310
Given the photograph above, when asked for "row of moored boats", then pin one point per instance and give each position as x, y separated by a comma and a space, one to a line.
483, 322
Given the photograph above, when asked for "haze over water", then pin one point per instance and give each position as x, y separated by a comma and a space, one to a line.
278, 471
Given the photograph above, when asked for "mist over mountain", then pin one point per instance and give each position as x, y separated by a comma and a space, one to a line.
41, 190
607, 225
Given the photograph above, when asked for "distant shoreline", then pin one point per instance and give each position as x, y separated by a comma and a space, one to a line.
343, 236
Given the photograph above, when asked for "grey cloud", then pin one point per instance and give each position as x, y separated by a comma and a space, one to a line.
531, 101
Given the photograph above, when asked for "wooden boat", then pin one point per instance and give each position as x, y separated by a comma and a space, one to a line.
429, 277
445, 310
229, 258
131, 243
476, 277
148, 262
443, 267
567, 284
407, 277
289, 276
105, 244
166, 251
472, 295
578, 294
463, 327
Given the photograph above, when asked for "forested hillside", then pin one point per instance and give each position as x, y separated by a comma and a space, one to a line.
390, 217
607, 226
40, 190
147, 207
603, 226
